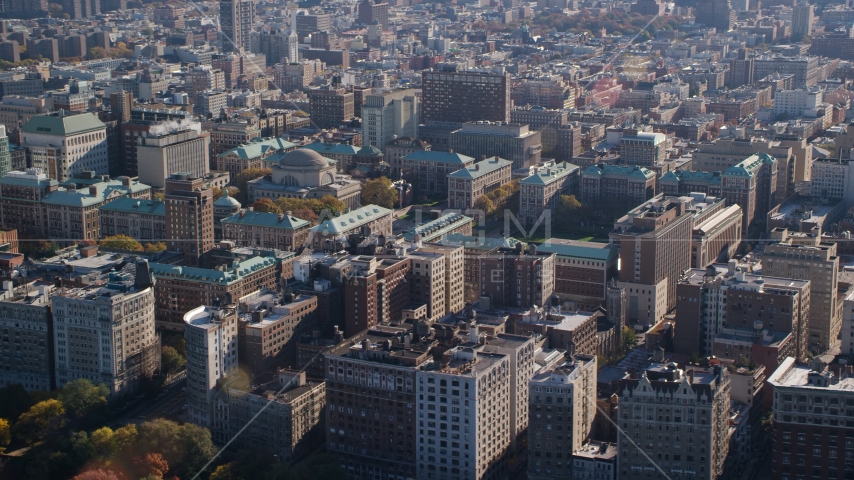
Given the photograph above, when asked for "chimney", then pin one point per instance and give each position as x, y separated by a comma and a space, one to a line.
126, 181
93, 190
477, 166
281, 217
473, 333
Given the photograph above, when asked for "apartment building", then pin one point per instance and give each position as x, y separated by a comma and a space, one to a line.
204, 79
562, 406
694, 406
431, 169
26, 347
453, 282
330, 107
291, 424
473, 249
655, 242
144, 220
616, 183
547, 122
427, 283
160, 156
106, 333
516, 143
181, 289
466, 185
751, 184
541, 192
803, 256
211, 342
279, 231
813, 421
189, 216
64, 145
582, 269
225, 136
643, 148
269, 326
570, 331
712, 300
236, 20
532, 271
374, 377
462, 97
475, 386
792, 157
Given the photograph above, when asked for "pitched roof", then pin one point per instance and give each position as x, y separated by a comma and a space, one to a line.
485, 243
578, 249
62, 124
349, 221
82, 197
206, 275
546, 175
258, 147
126, 204
332, 148
265, 219
437, 228
481, 168
442, 157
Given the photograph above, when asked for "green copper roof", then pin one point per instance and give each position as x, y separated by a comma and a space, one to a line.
437, 228
126, 204
259, 147
485, 243
749, 166
623, 170
481, 168
58, 124
205, 275
586, 250
83, 197
546, 175
265, 219
442, 157
332, 148
349, 221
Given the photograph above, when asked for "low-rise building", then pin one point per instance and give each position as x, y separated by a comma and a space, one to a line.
281, 231
251, 155
466, 185
573, 332
429, 170
372, 218
434, 230
616, 183
542, 190
144, 220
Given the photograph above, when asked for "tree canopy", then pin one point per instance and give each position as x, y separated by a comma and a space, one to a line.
379, 191
122, 242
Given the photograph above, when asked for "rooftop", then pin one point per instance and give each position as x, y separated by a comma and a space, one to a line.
546, 175
63, 124
578, 249
349, 221
266, 219
481, 168
441, 157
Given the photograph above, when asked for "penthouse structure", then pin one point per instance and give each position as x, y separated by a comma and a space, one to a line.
431, 169
582, 269
279, 231
562, 407
104, 332
269, 326
813, 421
466, 185
211, 341
695, 408
26, 347
711, 300
532, 271
542, 190
803, 256
616, 183
516, 143
464, 97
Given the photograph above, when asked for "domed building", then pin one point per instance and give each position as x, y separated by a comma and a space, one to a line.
304, 173
224, 207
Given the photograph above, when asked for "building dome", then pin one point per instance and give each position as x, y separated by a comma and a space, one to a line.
226, 201
303, 157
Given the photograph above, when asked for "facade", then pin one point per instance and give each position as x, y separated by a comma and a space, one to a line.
277, 46
803, 17
547, 122
643, 148
389, 115
159, 156
813, 421
189, 216
582, 270
562, 406
570, 331
794, 158
541, 191
717, 14
370, 218
211, 341
430, 169
466, 185
717, 237
453, 281
796, 103
279, 231
204, 78
533, 272
462, 97
370, 12
27, 345
236, 19
144, 220
330, 107
616, 183
106, 334
516, 143
427, 284
694, 405
65, 145
803, 256
378, 290
751, 184
5, 157
251, 155
398, 148
225, 136
712, 301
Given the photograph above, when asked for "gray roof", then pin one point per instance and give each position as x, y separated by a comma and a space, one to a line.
61, 124
126, 204
441, 157
481, 168
349, 221
266, 219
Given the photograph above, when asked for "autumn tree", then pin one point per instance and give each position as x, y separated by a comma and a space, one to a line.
85, 402
151, 465
5, 434
43, 419
266, 205
219, 192
379, 192
155, 247
99, 474
568, 211
171, 360
242, 178
122, 242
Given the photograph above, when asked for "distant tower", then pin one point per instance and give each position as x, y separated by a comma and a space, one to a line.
236, 18
615, 303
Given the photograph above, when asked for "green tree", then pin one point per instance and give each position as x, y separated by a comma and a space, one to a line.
245, 176
485, 204
186, 447
122, 242
170, 360
266, 205
5, 434
629, 337
159, 197
43, 419
96, 53
379, 192
82, 397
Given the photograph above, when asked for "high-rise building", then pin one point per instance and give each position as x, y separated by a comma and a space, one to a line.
211, 341
547, 122
740, 70
27, 342
562, 405
752, 185
189, 216
693, 407
643, 148
582, 270
10, 51
236, 18
5, 157
813, 421
805, 69
330, 107
803, 16
803, 256
278, 46
389, 115
453, 281
106, 333
711, 301
462, 97
516, 143
532, 271
370, 12
427, 283
185, 151
718, 14
203, 79
306, 24
64, 145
